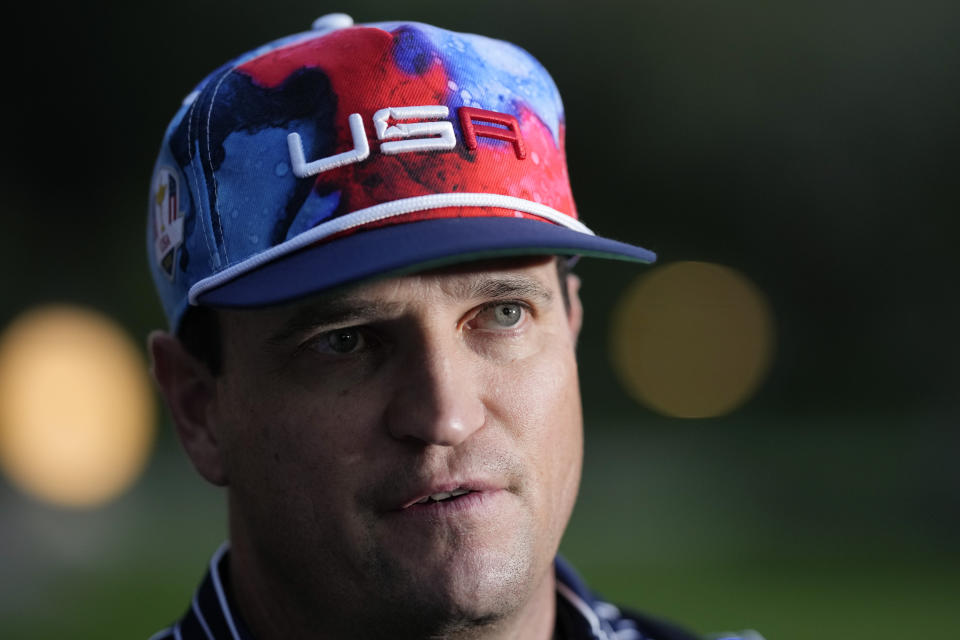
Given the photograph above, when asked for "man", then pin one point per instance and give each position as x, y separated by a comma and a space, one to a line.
359, 235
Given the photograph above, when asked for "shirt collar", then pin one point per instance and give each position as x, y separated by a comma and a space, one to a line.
212, 615
594, 619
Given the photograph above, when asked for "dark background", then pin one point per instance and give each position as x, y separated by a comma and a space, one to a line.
811, 145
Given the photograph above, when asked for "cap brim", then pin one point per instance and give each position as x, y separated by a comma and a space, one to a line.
407, 248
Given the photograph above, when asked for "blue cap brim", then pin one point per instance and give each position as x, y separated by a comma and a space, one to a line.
407, 248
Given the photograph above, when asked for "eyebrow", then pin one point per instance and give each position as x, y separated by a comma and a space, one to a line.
349, 308
332, 311
494, 287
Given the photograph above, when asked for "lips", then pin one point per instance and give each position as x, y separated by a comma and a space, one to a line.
443, 495
444, 492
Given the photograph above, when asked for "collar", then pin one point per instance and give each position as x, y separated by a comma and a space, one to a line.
211, 615
580, 614
583, 616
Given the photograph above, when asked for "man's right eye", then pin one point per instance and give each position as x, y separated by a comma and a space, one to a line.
345, 340
339, 341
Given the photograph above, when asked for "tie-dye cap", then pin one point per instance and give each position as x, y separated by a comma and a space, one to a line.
351, 152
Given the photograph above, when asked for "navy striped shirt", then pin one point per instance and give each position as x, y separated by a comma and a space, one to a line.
580, 614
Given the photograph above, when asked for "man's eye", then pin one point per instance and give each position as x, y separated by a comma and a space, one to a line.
504, 315
507, 315
340, 341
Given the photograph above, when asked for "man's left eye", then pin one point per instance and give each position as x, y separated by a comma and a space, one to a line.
504, 315
507, 315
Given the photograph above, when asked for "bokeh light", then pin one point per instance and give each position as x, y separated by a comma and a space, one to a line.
76, 408
692, 339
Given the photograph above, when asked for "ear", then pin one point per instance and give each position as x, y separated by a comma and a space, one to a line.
189, 390
575, 314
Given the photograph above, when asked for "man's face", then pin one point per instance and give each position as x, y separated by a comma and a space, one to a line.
338, 416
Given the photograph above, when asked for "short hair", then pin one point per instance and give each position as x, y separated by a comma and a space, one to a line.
199, 331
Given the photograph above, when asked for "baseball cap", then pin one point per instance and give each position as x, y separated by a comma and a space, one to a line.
351, 152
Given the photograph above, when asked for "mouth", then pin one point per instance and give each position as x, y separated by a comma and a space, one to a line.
447, 495
464, 502
442, 496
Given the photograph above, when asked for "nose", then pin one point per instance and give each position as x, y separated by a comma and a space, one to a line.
437, 400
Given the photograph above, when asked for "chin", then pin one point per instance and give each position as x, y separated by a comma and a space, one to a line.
455, 593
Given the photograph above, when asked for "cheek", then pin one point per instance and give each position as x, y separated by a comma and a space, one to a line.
563, 446
289, 452
295, 462
541, 409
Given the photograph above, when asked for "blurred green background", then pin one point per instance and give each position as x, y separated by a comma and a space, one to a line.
810, 145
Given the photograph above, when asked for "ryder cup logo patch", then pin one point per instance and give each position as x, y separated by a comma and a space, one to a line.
167, 217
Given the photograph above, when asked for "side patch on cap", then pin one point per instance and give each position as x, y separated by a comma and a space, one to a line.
165, 195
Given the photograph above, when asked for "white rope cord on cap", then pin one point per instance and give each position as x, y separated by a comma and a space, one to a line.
382, 212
